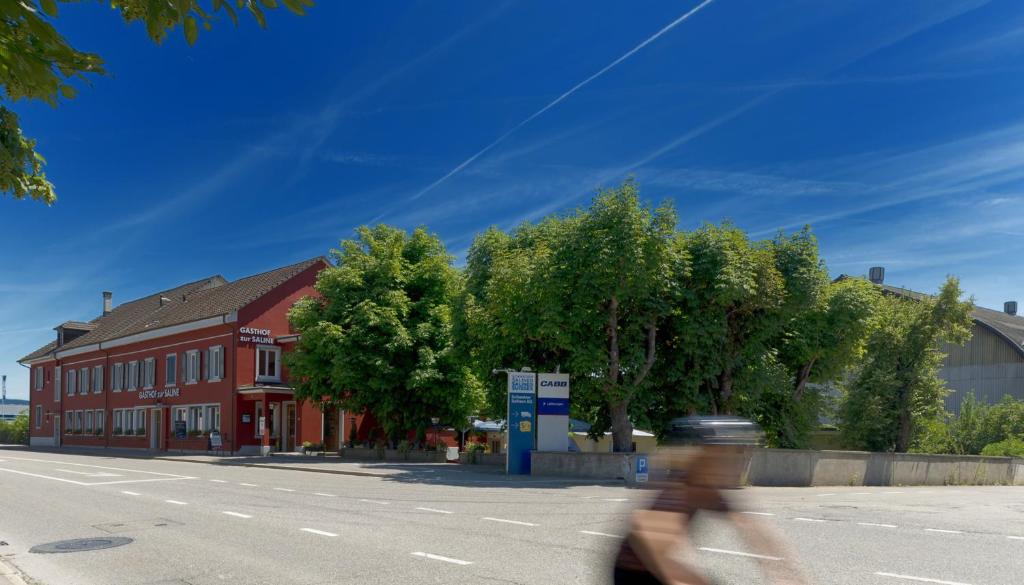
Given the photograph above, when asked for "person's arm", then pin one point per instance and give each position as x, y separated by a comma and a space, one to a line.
763, 542
654, 536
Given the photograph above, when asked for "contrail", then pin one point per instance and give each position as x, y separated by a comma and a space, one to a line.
562, 97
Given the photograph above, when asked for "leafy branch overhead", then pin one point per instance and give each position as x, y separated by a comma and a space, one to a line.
37, 63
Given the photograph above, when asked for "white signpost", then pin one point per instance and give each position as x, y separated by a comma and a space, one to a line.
553, 412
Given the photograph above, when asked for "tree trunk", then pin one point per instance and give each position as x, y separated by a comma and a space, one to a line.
801, 379
622, 428
725, 389
903, 433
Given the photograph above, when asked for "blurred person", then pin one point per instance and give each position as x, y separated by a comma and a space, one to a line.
704, 455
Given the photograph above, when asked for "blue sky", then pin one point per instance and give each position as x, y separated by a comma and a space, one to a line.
893, 128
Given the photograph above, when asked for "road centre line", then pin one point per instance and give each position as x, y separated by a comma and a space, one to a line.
131, 493
324, 495
920, 579
517, 522
738, 553
600, 533
615, 499
808, 519
320, 532
876, 524
759, 513
825, 495
176, 502
218, 481
377, 502
284, 490
249, 484
436, 510
943, 531
236, 514
1015, 537
440, 558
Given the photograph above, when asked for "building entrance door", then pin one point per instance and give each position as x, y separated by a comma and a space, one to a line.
289, 426
155, 430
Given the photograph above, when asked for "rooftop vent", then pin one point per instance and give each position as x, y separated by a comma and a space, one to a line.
107, 301
1010, 307
876, 274
164, 301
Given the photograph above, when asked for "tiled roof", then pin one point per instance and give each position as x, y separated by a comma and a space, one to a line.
208, 297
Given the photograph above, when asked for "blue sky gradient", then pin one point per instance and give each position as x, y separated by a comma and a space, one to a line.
893, 128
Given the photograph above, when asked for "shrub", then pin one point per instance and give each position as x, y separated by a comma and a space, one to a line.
1011, 447
15, 431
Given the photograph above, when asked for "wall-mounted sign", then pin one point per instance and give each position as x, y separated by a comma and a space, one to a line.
165, 393
253, 335
641, 468
247, 418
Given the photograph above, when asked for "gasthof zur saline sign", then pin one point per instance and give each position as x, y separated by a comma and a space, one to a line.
253, 335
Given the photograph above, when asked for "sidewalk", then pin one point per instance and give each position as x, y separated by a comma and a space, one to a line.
9, 575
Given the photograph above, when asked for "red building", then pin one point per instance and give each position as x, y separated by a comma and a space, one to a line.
192, 368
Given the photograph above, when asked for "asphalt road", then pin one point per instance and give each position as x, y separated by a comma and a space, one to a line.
202, 524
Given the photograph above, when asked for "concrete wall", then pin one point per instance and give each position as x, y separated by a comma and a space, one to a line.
797, 468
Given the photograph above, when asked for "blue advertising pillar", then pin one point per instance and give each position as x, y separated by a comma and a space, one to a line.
522, 394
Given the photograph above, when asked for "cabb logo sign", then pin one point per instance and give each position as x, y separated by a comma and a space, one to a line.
554, 383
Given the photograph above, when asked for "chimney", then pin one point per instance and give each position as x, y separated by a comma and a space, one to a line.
1010, 307
164, 300
876, 274
107, 301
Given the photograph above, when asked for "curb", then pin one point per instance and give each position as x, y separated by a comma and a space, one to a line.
10, 575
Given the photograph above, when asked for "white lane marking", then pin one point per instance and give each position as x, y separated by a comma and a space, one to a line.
90, 483
738, 553
236, 514
615, 499
131, 493
99, 467
808, 519
861, 494
591, 497
176, 502
440, 558
876, 524
284, 490
759, 513
218, 481
943, 531
825, 495
600, 533
436, 510
921, 579
315, 531
323, 494
249, 484
1015, 537
517, 522
383, 503
90, 474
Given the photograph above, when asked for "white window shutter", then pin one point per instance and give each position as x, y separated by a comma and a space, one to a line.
220, 362
184, 368
206, 364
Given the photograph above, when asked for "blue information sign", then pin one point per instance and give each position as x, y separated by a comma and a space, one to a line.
641, 468
522, 399
554, 406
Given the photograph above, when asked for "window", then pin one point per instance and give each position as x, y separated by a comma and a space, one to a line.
78, 421
195, 418
117, 377
171, 369
39, 415
118, 422
212, 418
259, 415
69, 422
98, 420
140, 421
133, 375
192, 366
83, 381
268, 364
215, 363
149, 378
97, 379
38, 379
88, 422
72, 376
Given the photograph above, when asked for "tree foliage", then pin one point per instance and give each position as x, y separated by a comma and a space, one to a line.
37, 63
976, 427
896, 389
15, 431
379, 335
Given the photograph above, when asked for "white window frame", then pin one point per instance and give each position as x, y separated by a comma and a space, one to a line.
192, 366
69, 422
215, 358
38, 385
260, 349
149, 373
140, 422
84, 375
97, 379
72, 377
133, 375
39, 416
171, 370
78, 422
117, 377
87, 426
211, 416
99, 418
118, 422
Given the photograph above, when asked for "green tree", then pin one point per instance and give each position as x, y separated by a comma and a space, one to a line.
585, 292
37, 63
896, 388
15, 431
379, 336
